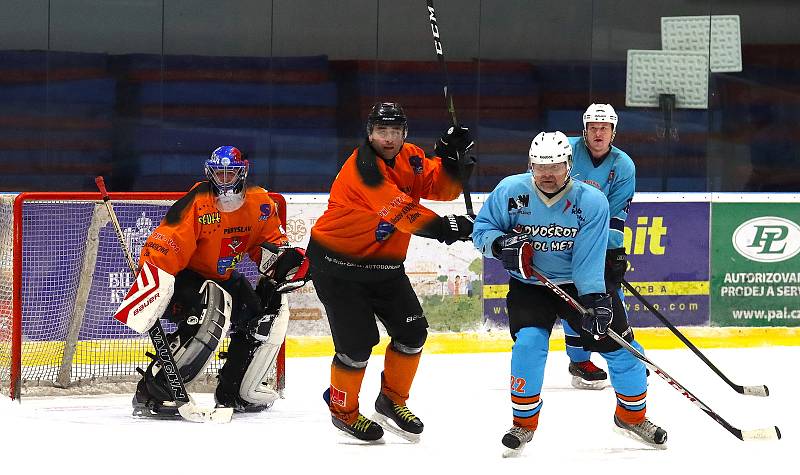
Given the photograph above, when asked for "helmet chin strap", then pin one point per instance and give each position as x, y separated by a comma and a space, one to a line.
229, 202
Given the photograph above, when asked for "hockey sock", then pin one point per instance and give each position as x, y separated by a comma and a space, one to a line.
399, 370
345, 386
629, 379
631, 409
527, 419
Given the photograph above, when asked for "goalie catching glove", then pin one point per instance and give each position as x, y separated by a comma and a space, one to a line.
287, 266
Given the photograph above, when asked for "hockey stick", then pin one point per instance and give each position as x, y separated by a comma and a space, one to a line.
448, 99
186, 407
767, 433
761, 390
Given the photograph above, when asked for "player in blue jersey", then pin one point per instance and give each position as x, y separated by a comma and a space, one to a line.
544, 219
610, 170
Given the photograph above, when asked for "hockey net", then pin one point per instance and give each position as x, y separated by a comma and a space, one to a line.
63, 276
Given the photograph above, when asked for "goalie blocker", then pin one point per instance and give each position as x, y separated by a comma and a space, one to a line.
147, 298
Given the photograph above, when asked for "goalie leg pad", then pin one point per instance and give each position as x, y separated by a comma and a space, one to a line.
193, 344
245, 382
255, 388
193, 354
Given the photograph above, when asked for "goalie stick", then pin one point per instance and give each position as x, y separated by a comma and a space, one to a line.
755, 434
760, 390
183, 400
448, 98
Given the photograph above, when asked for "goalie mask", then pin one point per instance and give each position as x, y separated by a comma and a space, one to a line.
226, 171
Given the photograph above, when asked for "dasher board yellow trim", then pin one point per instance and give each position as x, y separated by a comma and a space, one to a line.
112, 352
689, 287
500, 341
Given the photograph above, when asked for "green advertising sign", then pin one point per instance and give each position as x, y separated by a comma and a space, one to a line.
755, 264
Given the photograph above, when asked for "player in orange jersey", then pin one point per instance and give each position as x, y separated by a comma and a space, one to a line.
357, 250
200, 241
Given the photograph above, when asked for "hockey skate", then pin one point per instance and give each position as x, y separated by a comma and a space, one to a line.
361, 429
585, 375
145, 405
398, 420
645, 432
515, 440
233, 401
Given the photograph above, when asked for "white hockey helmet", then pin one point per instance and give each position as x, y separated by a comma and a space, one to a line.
550, 147
600, 113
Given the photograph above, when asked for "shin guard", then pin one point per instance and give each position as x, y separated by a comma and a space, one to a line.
528, 358
345, 387
399, 370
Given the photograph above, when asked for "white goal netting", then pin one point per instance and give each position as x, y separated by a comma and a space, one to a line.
70, 277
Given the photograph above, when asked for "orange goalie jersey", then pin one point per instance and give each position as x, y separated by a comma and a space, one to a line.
374, 207
195, 235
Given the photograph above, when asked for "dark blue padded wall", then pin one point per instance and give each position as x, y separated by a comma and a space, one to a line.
280, 111
148, 122
759, 117
56, 111
142, 91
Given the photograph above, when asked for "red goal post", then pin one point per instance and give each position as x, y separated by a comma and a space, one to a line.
63, 276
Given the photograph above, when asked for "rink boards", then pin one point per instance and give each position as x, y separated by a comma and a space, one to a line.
494, 341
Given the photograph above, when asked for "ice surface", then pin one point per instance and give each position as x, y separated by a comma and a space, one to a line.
463, 400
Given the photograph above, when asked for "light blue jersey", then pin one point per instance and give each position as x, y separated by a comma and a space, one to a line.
615, 177
568, 232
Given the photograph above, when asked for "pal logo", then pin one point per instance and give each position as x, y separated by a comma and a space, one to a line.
767, 239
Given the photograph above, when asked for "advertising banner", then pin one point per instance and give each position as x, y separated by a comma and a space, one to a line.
447, 279
667, 246
755, 280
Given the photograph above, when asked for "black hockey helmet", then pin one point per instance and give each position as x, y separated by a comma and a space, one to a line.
387, 113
